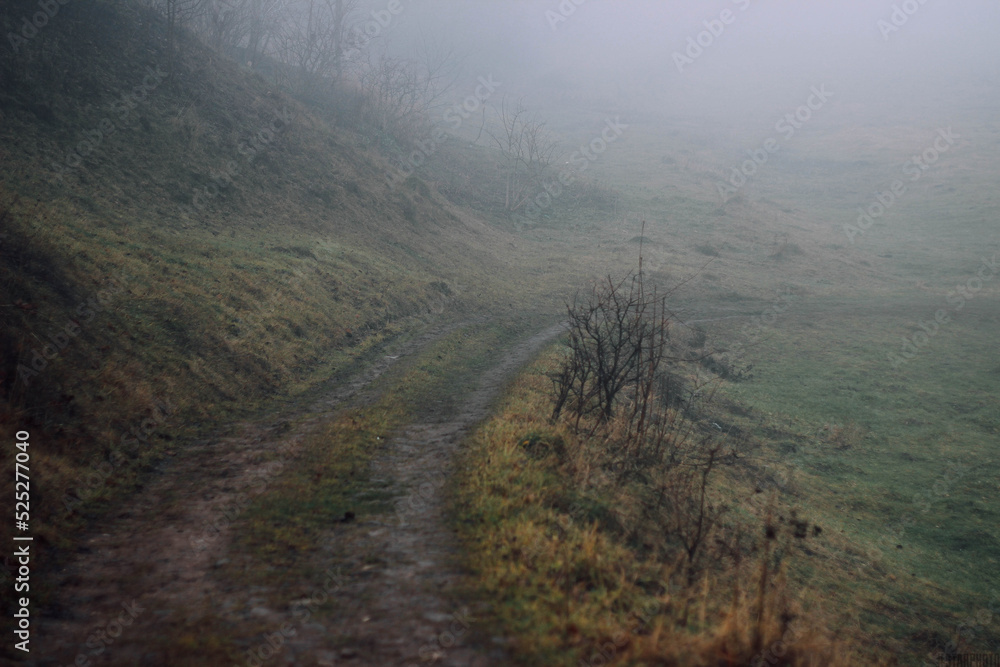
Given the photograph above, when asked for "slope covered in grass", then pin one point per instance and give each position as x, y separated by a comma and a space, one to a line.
176, 252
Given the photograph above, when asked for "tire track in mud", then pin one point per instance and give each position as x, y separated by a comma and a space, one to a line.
395, 599
148, 574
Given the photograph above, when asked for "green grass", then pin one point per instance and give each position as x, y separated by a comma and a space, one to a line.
823, 364
926, 457
307, 268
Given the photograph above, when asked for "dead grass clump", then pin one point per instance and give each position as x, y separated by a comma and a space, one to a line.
844, 436
583, 567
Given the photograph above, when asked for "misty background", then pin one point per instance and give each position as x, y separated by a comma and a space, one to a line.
288, 189
896, 73
943, 60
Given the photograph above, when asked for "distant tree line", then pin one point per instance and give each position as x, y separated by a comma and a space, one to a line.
323, 51
331, 54
312, 36
337, 56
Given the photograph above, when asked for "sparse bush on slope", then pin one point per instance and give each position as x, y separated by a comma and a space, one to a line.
571, 574
601, 533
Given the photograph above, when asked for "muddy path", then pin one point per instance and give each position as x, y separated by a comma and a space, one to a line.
140, 573
395, 589
148, 571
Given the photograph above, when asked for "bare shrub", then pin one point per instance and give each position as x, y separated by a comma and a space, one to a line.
399, 94
619, 386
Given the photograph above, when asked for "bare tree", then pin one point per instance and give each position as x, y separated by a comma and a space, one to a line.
315, 41
221, 22
261, 24
399, 93
176, 13
618, 340
392, 93
525, 151
342, 9
678, 499
245, 25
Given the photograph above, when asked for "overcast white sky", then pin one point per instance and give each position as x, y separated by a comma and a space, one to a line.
772, 49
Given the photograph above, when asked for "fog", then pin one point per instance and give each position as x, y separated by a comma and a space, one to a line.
882, 59
686, 341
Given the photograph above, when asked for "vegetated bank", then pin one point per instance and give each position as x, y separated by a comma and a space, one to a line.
179, 251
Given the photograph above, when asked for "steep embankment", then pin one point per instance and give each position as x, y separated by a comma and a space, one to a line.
176, 251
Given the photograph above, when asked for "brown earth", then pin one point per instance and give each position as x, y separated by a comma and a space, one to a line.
393, 588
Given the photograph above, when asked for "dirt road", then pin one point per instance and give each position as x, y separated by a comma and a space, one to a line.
145, 575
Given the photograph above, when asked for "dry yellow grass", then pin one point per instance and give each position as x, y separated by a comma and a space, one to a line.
544, 539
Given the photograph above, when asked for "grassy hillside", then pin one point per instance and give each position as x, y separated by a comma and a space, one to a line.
176, 253
180, 253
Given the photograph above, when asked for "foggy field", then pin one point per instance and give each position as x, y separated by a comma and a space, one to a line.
823, 361
919, 486
540, 332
